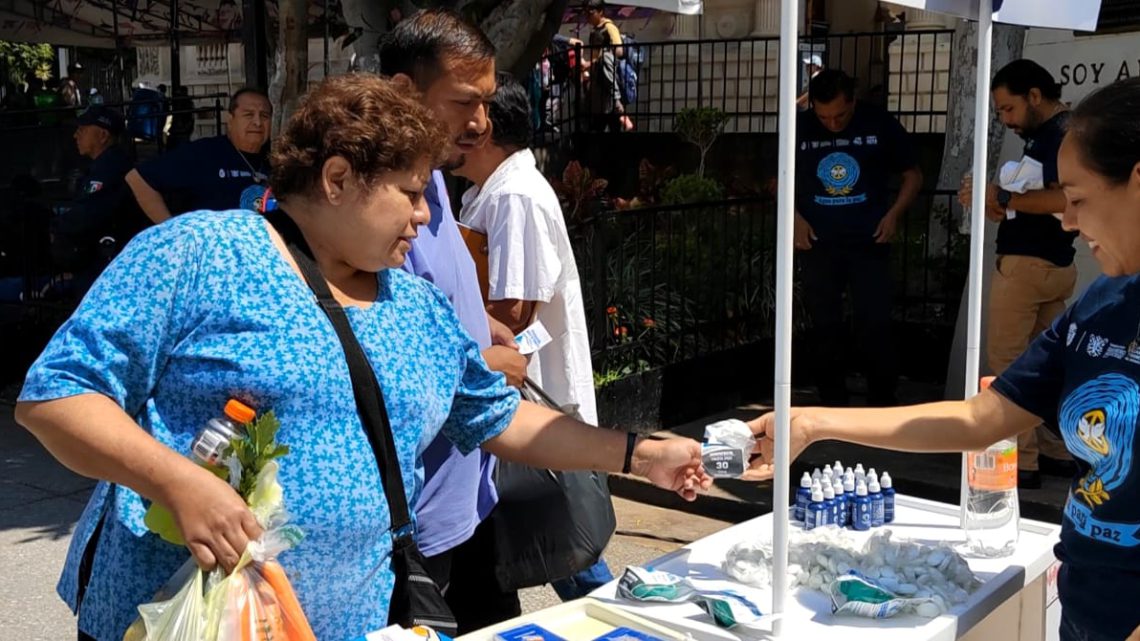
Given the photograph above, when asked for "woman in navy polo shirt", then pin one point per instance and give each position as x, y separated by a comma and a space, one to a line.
1081, 376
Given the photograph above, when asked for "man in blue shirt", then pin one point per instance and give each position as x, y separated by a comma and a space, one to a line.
213, 172
451, 64
846, 152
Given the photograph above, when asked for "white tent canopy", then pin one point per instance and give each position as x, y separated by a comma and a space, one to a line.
685, 7
1079, 15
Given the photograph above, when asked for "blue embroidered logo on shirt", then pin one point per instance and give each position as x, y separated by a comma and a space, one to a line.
839, 173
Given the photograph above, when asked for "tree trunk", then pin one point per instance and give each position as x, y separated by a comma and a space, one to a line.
957, 159
290, 77
520, 29
958, 152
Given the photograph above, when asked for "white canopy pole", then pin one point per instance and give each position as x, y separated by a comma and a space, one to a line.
978, 206
789, 61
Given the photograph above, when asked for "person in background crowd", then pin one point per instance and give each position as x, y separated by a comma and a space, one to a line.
211, 173
449, 64
211, 306
844, 226
813, 64
604, 91
1081, 377
102, 218
181, 118
71, 87
533, 277
1035, 274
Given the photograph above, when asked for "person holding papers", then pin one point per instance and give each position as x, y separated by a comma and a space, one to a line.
532, 275
1034, 275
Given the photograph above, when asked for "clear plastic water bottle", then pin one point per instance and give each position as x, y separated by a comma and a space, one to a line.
992, 516
212, 440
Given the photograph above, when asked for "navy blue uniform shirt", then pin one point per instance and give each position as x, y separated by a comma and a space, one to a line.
1082, 377
841, 178
1040, 235
205, 174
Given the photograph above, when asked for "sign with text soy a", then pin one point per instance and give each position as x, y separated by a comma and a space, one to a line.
1084, 64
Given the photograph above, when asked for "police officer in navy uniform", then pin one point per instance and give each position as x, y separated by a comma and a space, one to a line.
102, 216
845, 221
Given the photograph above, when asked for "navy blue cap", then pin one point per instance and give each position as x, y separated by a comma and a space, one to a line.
101, 116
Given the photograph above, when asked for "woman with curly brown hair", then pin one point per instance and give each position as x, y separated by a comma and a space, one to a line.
210, 306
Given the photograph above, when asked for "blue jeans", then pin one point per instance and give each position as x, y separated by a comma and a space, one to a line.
584, 582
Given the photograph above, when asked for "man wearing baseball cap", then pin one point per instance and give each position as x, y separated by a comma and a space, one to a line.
103, 215
813, 64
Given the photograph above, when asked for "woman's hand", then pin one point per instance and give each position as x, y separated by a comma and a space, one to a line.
672, 463
764, 430
212, 517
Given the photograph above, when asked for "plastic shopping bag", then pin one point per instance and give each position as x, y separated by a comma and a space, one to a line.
255, 602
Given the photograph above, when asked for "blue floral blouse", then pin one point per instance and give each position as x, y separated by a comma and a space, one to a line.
203, 308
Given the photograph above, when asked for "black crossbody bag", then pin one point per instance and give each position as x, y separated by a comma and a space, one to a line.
416, 599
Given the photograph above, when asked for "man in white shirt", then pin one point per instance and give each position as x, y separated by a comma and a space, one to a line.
532, 275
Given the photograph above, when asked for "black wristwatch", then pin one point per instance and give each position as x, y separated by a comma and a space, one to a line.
1003, 197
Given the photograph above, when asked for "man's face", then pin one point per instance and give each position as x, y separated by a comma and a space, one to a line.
594, 16
1018, 113
835, 115
90, 140
459, 97
250, 122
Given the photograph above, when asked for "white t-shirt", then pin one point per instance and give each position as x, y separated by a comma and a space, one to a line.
530, 259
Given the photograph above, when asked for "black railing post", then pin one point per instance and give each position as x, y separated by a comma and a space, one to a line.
598, 243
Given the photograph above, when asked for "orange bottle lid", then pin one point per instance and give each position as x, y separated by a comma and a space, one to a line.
986, 382
239, 412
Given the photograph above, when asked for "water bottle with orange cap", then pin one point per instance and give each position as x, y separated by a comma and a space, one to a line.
208, 449
992, 513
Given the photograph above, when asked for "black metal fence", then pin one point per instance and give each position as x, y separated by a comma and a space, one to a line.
907, 72
667, 284
39, 141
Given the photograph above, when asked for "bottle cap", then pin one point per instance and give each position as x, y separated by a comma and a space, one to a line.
849, 471
239, 412
806, 480
827, 473
849, 484
816, 495
838, 485
861, 489
838, 464
859, 468
886, 480
872, 476
873, 487
985, 382
828, 492
872, 472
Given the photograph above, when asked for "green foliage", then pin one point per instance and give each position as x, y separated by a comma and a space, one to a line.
20, 58
691, 188
255, 448
700, 126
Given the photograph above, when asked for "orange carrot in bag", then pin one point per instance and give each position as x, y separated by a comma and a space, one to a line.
294, 621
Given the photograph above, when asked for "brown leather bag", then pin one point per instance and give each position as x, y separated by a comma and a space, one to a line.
477, 246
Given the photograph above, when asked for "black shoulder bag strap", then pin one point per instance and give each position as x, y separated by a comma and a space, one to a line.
416, 599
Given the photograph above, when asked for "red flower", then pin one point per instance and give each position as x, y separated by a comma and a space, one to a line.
611, 310
649, 322
624, 330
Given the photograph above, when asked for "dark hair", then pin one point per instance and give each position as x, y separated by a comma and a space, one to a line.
594, 5
829, 84
1019, 76
1106, 131
248, 91
418, 46
369, 121
510, 114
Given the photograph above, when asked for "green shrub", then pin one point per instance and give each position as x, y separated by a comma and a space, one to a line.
691, 188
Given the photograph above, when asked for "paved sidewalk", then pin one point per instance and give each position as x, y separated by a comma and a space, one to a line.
40, 501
